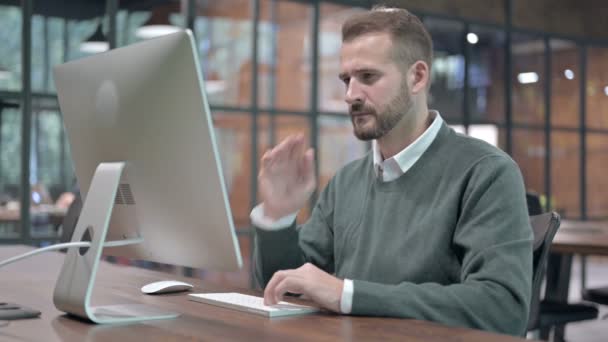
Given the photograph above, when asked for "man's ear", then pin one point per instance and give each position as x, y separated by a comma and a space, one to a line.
419, 77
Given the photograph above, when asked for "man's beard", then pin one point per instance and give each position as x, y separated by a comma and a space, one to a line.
383, 122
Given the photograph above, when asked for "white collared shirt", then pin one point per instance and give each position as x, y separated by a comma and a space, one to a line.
389, 169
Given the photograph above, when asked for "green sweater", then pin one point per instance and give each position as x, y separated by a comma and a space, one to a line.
448, 241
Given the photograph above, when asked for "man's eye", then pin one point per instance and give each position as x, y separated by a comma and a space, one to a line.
367, 77
346, 80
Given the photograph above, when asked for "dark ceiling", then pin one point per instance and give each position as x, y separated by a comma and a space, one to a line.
84, 9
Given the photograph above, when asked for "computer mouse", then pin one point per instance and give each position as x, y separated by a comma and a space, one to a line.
165, 286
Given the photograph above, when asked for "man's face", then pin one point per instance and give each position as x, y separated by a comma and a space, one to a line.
377, 93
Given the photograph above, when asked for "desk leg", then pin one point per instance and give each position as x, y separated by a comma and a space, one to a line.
558, 285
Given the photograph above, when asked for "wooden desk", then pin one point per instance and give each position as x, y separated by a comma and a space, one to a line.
573, 237
581, 237
31, 283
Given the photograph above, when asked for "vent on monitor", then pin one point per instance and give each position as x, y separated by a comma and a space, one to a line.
124, 195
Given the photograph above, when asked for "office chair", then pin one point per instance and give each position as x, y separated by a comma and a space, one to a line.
544, 227
596, 295
533, 202
546, 314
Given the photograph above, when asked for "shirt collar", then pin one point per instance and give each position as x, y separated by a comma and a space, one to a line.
409, 155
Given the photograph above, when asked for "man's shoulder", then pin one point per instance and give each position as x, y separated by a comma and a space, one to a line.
357, 169
349, 180
362, 164
468, 151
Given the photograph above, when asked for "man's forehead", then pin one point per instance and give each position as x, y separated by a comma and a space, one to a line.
372, 41
366, 51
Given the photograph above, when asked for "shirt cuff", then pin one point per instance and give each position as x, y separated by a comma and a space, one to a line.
261, 221
346, 302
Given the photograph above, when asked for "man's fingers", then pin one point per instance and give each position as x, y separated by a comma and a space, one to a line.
298, 148
290, 150
266, 158
290, 283
282, 145
269, 290
277, 287
283, 151
309, 160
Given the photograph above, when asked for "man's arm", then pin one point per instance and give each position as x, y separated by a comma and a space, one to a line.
286, 180
283, 249
493, 240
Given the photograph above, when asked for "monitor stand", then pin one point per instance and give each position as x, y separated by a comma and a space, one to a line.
75, 283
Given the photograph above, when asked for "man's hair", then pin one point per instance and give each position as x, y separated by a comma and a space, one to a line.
411, 41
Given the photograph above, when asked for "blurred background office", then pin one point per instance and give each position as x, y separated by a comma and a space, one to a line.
528, 76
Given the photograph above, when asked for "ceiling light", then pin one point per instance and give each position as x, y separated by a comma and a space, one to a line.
569, 74
527, 77
96, 43
472, 38
157, 25
606, 90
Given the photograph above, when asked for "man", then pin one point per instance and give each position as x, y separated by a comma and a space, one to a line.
429, 225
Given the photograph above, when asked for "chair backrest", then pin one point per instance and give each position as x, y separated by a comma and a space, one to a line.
533, 201
544, 227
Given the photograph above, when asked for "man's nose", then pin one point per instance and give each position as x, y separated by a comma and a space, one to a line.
353, 93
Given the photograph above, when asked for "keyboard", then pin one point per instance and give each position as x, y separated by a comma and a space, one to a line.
251, 304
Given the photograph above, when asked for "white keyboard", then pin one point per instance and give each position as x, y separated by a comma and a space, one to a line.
251, 304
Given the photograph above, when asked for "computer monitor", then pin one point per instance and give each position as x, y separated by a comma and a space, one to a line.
146, 159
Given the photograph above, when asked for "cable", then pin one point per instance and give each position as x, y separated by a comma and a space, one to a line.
118, 243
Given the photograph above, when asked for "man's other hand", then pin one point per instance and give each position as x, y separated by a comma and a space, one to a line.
308, 280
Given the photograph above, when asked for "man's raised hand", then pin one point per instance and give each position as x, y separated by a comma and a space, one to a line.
287, 177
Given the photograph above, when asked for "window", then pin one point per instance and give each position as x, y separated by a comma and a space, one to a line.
10, 49
447, 75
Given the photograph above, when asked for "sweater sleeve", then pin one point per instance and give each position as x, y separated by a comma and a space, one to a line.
493, 241
293, 246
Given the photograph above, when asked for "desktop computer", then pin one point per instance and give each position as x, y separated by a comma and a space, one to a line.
146, 160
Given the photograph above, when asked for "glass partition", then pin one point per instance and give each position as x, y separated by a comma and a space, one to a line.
10, 49
565, 173
597, 88
597, 182
284, 56
447, 75
223, 32
565, 84
486, 74
529, 152
528, 77
233, 134
10, 170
